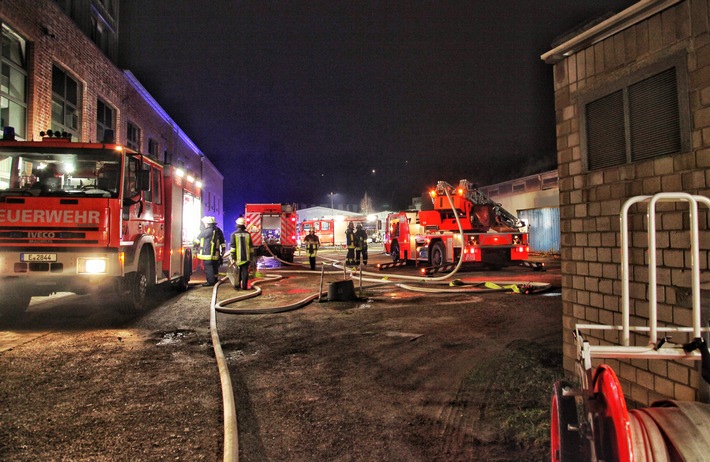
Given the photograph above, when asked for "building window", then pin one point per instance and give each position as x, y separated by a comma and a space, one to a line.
153, 148
99, 34
133, 137
66, 116
641, 119
519, 187
550, 182
105, 120
13, 89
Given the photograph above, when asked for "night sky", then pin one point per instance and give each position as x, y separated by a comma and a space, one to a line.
295, 100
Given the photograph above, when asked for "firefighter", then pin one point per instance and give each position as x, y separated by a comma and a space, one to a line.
211, 248
312, 243
360, 245
240, 254
350, 242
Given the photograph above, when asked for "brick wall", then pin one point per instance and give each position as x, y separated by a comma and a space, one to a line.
590, 201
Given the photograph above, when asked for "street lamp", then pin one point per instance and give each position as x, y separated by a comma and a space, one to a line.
332, 209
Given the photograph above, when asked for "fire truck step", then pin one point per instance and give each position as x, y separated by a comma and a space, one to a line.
381, 266
535, 265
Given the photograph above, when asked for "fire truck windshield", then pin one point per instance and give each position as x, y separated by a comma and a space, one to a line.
60, 172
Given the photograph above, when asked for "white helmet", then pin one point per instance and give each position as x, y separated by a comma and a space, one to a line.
208, 220
240, 221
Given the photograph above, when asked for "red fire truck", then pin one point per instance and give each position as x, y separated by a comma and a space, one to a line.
90, 217
324, 230
491, 236
272, 228
332, 232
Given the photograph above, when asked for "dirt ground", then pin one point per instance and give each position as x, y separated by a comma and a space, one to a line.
396, 375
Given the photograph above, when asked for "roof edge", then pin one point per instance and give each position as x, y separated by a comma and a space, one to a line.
617, 23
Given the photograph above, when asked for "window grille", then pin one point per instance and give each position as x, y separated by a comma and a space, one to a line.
639, 121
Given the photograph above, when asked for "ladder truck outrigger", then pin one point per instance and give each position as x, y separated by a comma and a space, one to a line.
462, 220
90, 218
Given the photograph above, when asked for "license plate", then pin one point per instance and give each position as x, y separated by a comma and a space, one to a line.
30, 257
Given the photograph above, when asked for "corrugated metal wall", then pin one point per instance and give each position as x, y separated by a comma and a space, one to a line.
544, 229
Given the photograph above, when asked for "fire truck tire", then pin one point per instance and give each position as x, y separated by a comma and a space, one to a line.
565, 444
133, 297
437, 257
394, 251
14, 304
183, 283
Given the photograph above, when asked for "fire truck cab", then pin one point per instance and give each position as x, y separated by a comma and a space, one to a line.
90, 217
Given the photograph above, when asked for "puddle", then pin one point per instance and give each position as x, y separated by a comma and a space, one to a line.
174, 337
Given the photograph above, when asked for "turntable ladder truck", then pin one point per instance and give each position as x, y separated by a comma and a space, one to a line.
488, 235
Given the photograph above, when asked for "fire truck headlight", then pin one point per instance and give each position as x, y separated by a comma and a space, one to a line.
92, 265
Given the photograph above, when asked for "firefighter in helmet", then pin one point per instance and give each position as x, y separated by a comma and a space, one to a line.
211, 248
312, 243
360, 245
240, 255
350, 239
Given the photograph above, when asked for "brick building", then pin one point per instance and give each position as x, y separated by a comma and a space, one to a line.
632, 102
59, 72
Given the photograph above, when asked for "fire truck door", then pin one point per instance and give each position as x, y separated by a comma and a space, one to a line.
155, 201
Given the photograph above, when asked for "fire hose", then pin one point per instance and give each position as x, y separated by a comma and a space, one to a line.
231, 442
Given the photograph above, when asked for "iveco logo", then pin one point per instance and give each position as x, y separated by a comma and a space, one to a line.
40, 235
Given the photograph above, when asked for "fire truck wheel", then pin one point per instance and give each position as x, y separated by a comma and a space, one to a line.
133, 297
438, 254
14, 304
394, 251
565, 443
183, 283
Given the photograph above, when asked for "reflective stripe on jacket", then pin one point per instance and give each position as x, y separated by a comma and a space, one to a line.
240, 247
312, 242
350, 238
212, 245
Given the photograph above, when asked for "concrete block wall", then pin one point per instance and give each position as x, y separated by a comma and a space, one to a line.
590, 201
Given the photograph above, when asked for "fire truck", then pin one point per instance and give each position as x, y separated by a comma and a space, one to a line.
324, 230
90, 217
330, 232
491, 237
272, 228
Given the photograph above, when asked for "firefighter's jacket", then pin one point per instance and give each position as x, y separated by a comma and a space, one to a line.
350, 238
211, 242
361, 239
240, 248
312, 243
